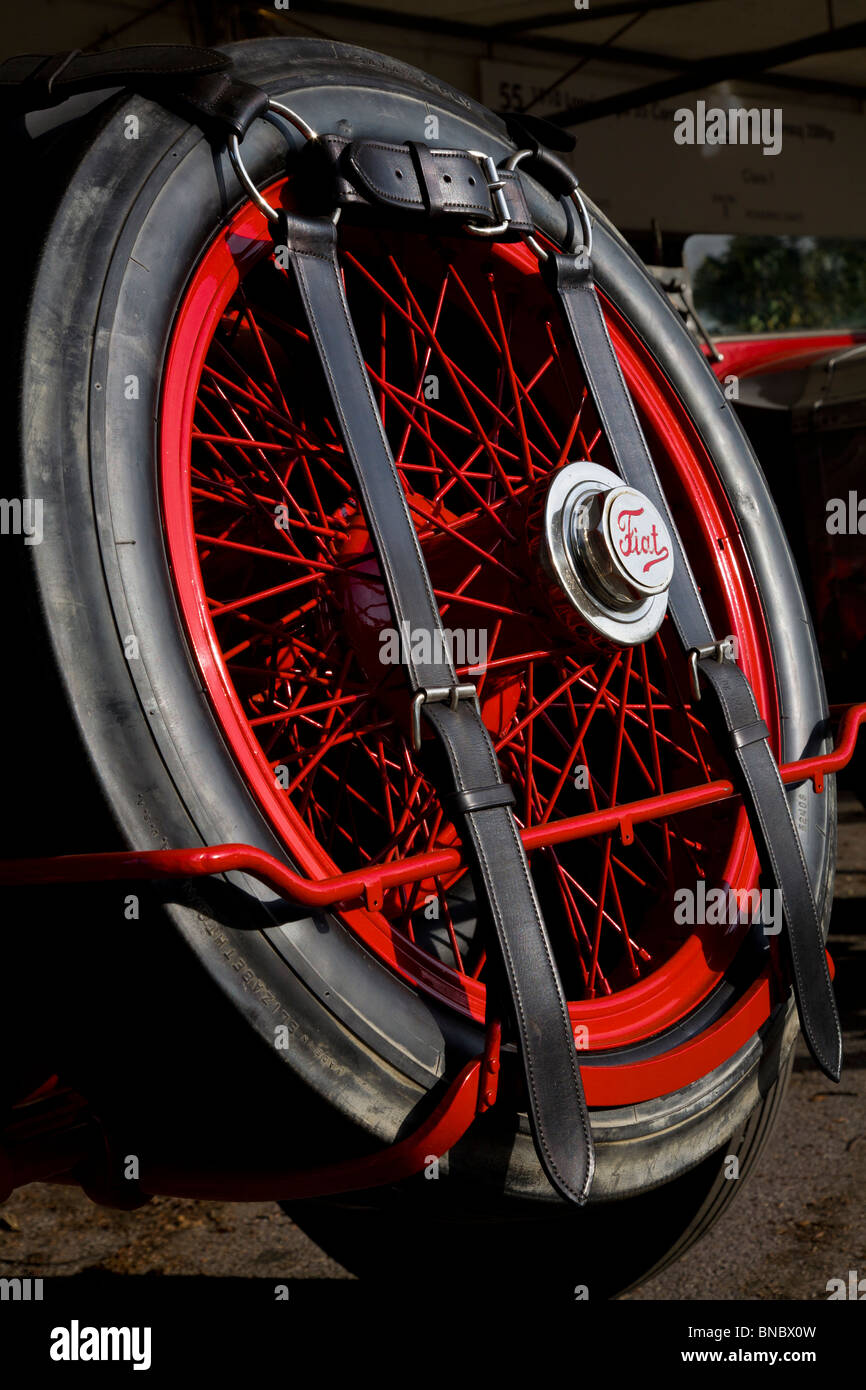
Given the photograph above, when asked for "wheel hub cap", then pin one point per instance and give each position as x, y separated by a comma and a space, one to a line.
608, 550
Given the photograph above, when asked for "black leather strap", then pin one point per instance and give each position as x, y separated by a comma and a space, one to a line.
195, 82
764, 794
446, 185
535, 133
466, 762
43, 79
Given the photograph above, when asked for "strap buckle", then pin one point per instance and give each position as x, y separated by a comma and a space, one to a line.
437, 695
722, 649
495, 185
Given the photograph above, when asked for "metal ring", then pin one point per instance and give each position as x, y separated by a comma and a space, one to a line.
576, 198
574, 194
274, 108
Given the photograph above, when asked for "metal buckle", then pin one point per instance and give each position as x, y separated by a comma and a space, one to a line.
718, 650
495, 186
437, 695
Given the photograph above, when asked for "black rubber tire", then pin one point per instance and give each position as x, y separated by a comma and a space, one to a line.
414, 1240
366, 1049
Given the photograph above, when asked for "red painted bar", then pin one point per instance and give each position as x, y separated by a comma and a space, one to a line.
371, 884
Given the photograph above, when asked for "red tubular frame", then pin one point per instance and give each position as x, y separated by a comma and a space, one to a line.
71, 1140
370, 885
474, 1088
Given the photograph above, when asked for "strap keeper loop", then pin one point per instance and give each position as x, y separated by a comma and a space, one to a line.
480, 798
749, 733
437, 695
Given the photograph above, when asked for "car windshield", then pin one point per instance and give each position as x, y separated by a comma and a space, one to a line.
777, 284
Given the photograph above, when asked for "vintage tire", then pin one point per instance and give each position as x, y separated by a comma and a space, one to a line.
144, 763
409, 1242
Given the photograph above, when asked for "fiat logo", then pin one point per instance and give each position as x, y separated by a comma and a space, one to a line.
638, 540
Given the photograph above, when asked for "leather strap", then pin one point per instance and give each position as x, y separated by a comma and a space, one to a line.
442, 185
466, 763
764, 794
195, 82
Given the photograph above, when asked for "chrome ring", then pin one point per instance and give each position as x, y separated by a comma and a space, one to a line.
274, 108
574, 194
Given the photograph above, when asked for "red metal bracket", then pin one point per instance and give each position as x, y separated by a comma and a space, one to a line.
70, 1136
371, 884
439, 1133
488, 1080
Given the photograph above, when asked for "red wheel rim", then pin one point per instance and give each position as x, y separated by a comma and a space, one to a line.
228, 367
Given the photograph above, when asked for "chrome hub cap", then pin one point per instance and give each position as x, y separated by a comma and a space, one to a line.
608, 549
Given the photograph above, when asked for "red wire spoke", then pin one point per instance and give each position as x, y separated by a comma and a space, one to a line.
421, 370
563, 875
455, 945
457, 474
220, 608
318, 708
486, 604
657, 769
529, 780
262, 444
273, 420
460, 591
279, 555
445, 528
512, 379
344, 788
455, 376
611, 922
701, 759
543, 705
605, 872
565, 452
315, 757
261, 511
275, 477
580, 735
524, 391
567, 377
631, 713
573, 917
269, 366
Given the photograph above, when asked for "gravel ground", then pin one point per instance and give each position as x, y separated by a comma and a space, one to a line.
799, 1221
